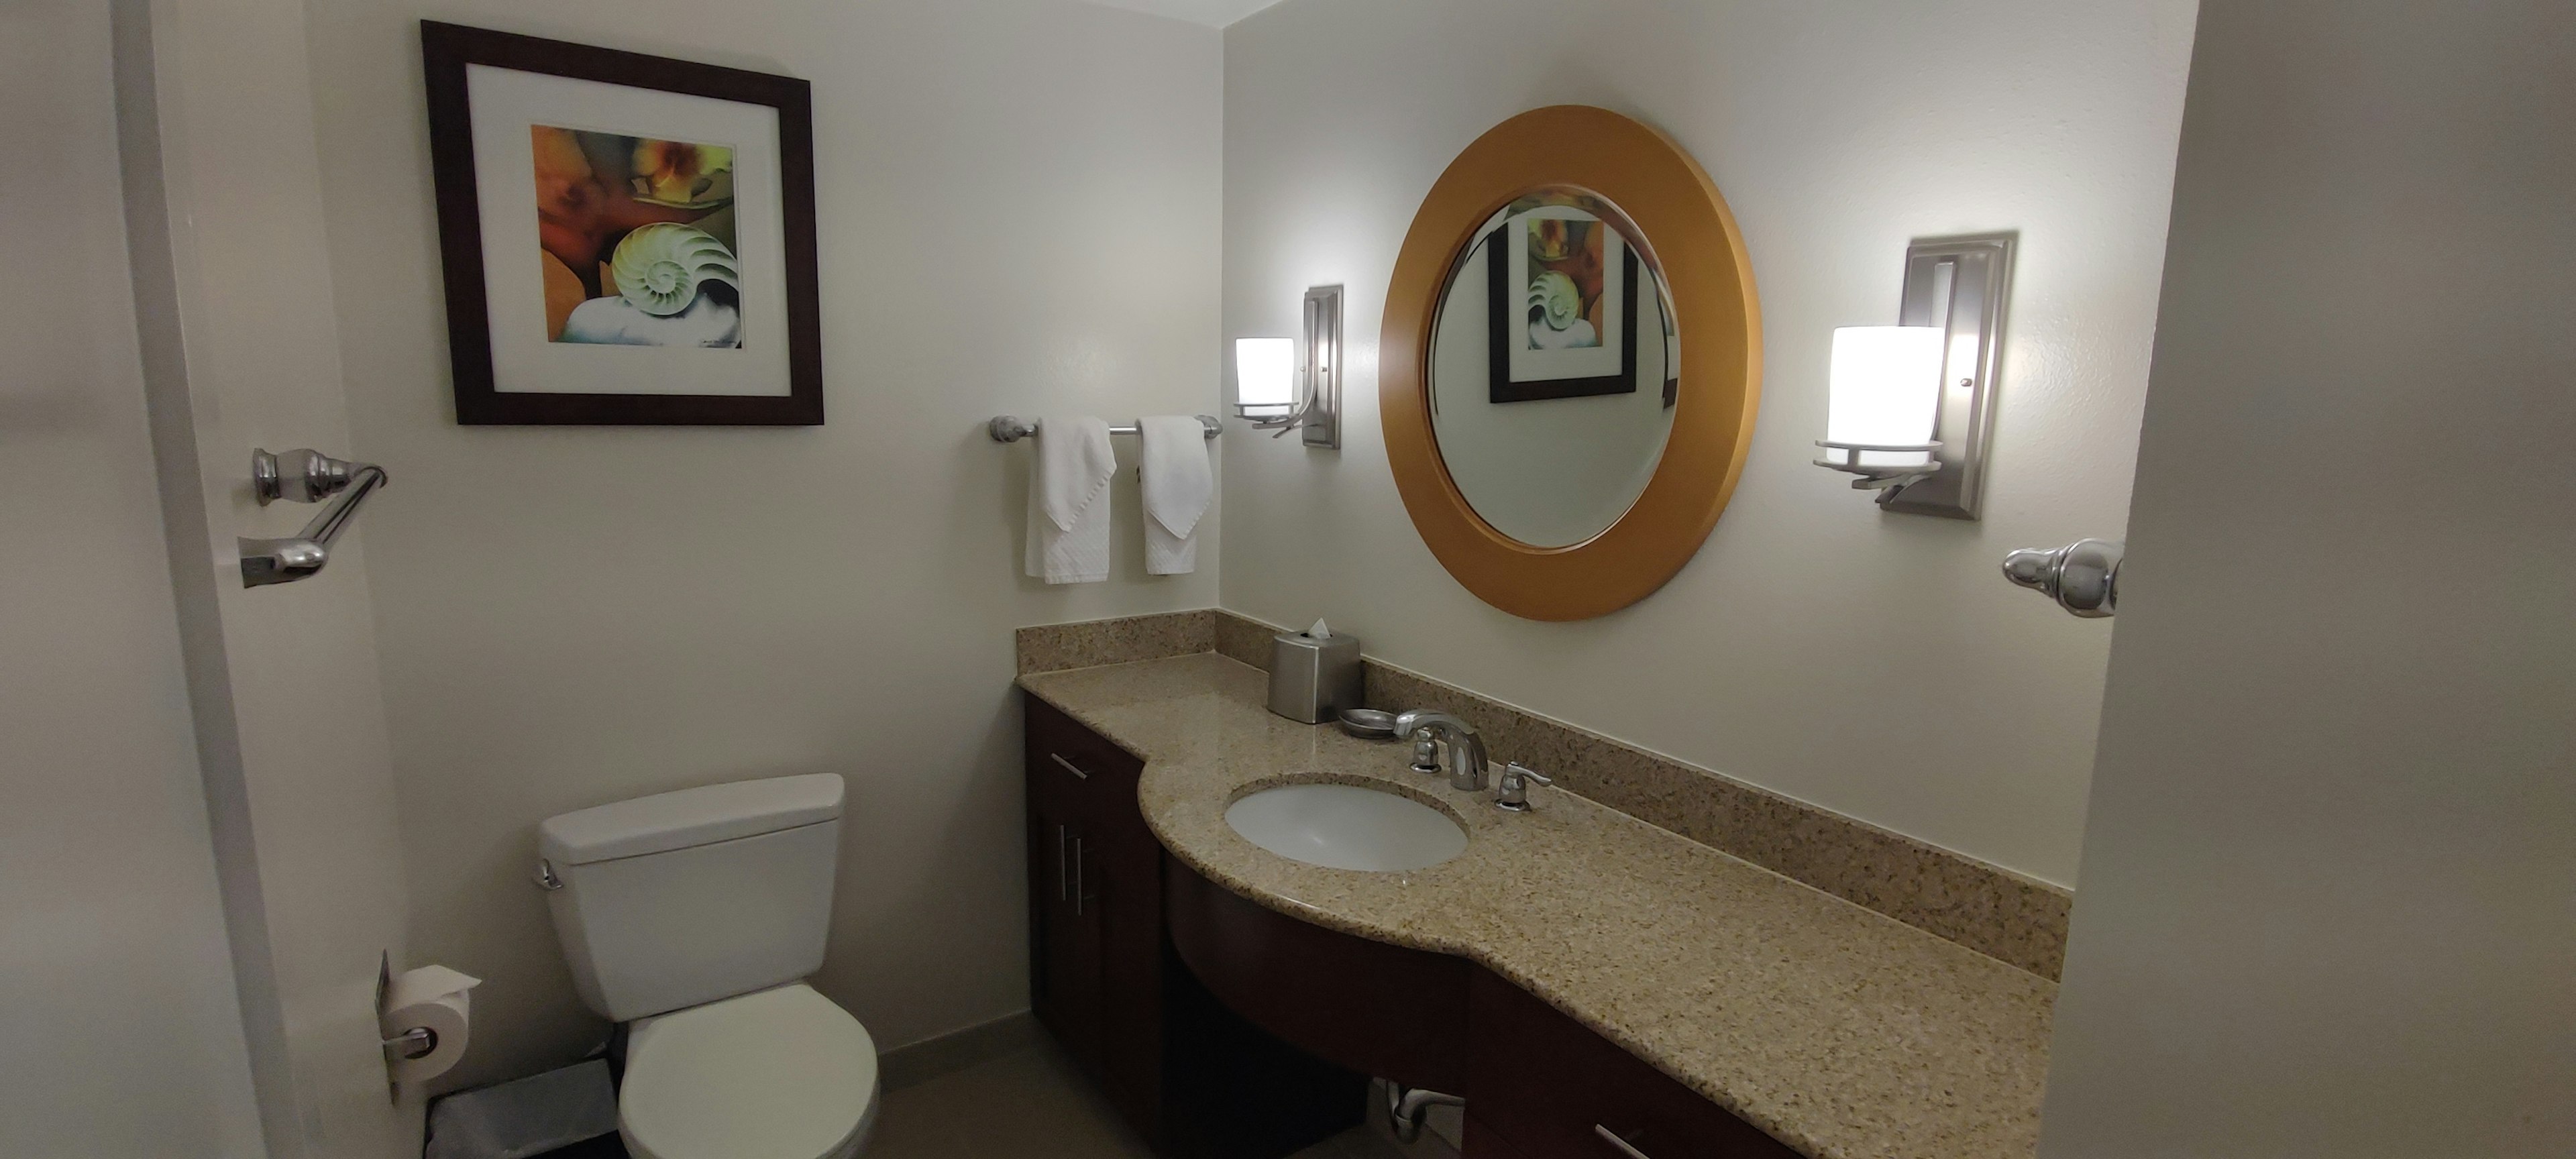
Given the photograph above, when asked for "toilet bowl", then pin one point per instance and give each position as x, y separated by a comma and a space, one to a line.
780, 1074
693, 918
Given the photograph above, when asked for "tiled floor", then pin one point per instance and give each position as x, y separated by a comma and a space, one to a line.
1032, 1103
1027, 1104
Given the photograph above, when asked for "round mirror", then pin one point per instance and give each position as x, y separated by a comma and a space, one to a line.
1555, 449
1554, 368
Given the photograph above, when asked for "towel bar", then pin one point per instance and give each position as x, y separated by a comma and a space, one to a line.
305, 476
1013, 428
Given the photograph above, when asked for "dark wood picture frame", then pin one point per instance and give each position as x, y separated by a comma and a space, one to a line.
1504, 322
446, 50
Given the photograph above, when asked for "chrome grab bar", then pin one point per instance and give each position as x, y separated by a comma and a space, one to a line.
314, 476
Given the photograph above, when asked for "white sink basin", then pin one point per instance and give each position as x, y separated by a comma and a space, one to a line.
1347, 827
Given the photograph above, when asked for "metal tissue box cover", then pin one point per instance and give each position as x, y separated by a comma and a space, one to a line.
1312, 678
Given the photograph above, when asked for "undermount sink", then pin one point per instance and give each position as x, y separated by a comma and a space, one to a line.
1347, 827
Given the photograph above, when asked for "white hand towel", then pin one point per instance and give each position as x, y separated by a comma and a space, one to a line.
1069, 500
1177, 486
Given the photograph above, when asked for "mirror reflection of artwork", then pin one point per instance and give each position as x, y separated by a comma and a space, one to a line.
1564, 262
639, 244
1562, 326
1551, 462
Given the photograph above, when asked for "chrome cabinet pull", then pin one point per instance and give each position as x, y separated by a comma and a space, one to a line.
1069, 766
1621, 1144
1078, 899
1062, 878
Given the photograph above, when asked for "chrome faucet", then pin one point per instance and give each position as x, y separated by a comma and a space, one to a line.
1466, 749
1512, 793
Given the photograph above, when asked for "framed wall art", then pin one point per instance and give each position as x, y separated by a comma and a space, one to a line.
626, 239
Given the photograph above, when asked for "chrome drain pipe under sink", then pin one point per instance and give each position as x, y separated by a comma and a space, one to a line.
1407, 1106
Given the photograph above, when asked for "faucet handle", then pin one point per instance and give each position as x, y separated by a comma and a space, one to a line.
1426, 751
1512, 791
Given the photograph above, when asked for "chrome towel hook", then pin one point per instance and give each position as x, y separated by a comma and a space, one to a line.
303, 475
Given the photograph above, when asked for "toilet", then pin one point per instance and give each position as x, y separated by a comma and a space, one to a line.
693, 918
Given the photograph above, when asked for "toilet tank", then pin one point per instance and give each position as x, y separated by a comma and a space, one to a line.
679, 899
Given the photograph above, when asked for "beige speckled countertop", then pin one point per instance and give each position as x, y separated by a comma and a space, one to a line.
1843, 1033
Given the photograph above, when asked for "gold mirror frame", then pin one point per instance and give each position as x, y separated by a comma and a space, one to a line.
1690, 234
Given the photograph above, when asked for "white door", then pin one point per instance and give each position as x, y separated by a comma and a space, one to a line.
2328, 904
240, 351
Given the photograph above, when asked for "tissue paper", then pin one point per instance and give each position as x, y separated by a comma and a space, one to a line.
435, 998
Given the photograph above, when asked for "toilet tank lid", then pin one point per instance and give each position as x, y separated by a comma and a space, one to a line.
700, 816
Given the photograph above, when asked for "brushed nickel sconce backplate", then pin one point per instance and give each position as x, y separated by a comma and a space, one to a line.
1959, 284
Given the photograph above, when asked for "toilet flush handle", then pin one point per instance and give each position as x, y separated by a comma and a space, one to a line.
546, 878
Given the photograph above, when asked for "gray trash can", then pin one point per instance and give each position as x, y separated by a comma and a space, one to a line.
525, 1117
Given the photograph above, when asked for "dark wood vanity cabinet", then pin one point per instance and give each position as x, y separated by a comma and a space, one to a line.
1394, 1012
1189, 1075
1222, 1029
1540, 1083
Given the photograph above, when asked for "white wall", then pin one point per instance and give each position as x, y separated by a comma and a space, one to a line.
1874, 664
2330, 872
119, 1032
1019, 213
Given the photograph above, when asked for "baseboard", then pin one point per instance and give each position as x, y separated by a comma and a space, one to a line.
956, 1050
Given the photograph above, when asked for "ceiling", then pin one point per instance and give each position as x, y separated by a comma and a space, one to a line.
1213, 13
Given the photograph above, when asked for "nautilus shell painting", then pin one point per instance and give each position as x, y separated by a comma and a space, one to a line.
1565, 283
626, 239
639, 244
1564, 291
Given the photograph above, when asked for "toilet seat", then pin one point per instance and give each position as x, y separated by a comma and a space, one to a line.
776, 1074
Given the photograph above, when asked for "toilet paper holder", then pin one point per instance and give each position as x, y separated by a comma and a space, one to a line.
422, 1018
416, 1042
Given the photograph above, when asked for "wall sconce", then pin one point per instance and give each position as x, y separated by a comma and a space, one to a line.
1912, 405
1279, 387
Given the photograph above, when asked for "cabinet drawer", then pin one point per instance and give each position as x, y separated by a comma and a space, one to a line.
1544, 1084
1070, 763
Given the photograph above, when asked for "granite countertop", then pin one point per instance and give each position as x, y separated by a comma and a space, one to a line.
1843, 1033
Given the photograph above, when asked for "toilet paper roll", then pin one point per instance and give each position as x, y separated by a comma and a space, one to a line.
436, 999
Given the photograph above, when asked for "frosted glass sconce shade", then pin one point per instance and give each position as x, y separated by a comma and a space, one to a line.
1265, 374
1885, 392
1281, 391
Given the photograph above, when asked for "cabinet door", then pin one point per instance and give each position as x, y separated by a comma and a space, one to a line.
1065, 927
1483, 1142
1124, 873
1549, 1086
